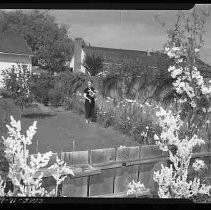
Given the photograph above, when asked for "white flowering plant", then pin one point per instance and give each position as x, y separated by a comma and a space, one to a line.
174, 180
183, 46
135, 188
181, 129
61, 170
24, 169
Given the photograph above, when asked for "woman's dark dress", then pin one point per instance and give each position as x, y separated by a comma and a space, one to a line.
89, 107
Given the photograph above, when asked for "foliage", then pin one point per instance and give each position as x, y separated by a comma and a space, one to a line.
76, 104
20, 172
24, 169
16, 82
61, 170
185, 40
54, 97
68, 83
49, 42
180, 130
40, 86
93, 64
173, 180
130, 117
136, 80
135, 188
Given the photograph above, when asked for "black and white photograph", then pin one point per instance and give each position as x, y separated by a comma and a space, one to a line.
105, 103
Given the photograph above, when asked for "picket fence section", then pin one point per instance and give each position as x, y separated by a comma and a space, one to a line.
107, 172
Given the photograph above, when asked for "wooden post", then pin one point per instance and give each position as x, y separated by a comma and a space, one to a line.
102, 183
75, 186
125, 174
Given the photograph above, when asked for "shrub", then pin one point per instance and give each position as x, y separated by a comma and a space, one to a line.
69, 83
76, 104
16, 82
93, 64
105, 119
54, 97
40, 86
5, 93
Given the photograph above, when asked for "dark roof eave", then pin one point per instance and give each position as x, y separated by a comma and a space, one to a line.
17, 53
111, 49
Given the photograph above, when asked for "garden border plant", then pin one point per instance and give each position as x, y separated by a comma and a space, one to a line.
23, 168
181, 128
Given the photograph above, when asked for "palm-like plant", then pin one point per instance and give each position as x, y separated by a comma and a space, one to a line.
93, 64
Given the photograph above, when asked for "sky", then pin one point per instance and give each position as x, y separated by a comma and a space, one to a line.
122, 29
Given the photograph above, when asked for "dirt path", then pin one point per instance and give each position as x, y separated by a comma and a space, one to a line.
57, 132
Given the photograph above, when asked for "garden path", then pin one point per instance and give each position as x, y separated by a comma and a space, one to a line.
57, 131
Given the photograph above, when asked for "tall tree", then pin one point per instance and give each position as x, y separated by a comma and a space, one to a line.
49, 41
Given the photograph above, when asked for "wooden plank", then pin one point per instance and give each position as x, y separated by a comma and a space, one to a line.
109, 165
102, 183
146, 170
76, 187
89, 171
201, 154
145, 193
78, 172
150, 151
203, 148
126, 174
148, 160
75, 158
209, 163
146, 173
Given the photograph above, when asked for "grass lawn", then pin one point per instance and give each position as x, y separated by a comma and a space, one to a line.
56, 131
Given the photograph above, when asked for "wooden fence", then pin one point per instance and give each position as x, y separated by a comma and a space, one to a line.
107, 172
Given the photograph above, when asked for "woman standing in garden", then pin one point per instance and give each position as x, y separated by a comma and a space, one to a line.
89, 95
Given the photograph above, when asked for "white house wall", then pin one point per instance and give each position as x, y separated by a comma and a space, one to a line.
72, 62
82, 60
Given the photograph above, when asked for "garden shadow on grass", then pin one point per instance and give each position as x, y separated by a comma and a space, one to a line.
37, 115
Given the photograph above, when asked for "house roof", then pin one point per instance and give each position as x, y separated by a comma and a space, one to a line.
153, 59
111, 55
14, 43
